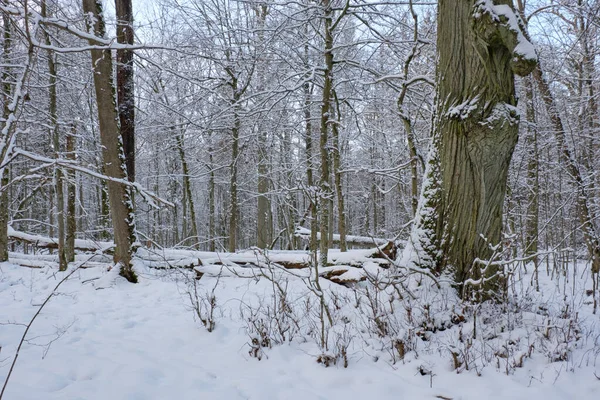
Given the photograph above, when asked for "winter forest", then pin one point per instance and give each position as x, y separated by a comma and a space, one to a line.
309, 199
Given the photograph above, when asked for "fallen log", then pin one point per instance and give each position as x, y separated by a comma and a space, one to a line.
304, 233
43, 242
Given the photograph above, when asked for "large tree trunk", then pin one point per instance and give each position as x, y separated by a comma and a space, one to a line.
121, 208
480, 47
125, 85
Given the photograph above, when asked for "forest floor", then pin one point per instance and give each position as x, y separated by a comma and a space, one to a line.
146, 341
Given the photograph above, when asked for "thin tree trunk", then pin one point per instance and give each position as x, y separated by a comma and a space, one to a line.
187, 187
121, 207
586, 217
338, 178
6, 90
235, 153
264, 218
125, 83
308, 140
211, 197
325, 188
71, 221
58, 173
533, 183
408, 128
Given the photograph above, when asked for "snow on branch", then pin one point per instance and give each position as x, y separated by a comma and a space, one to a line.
151, 198
498, 23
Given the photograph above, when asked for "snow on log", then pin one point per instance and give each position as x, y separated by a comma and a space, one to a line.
304, 233
52, 243
342, 267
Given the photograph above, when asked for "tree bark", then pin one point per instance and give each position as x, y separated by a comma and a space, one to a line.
264, 227
55, 135
121, 208
480, 47
235, 152
187, 187
325, 188
71, 221
6, 89
125, 83
308, 143
211, 196
338, 178
533, 183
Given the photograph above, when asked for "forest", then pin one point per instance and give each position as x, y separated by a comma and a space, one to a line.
352, 198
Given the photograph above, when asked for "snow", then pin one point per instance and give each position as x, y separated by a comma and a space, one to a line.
463, 111
140, 341
504, 14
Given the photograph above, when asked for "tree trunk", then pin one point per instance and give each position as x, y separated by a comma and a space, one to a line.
264, 234
338, 179
325, 188
71, 221
480, 47
211, 196
55, 135
187, 188
533, 183
6, 89
121, 208
308, 141
586, 217
125, 83
235, 152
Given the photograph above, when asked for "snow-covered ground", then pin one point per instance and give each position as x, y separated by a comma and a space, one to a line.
143, 341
